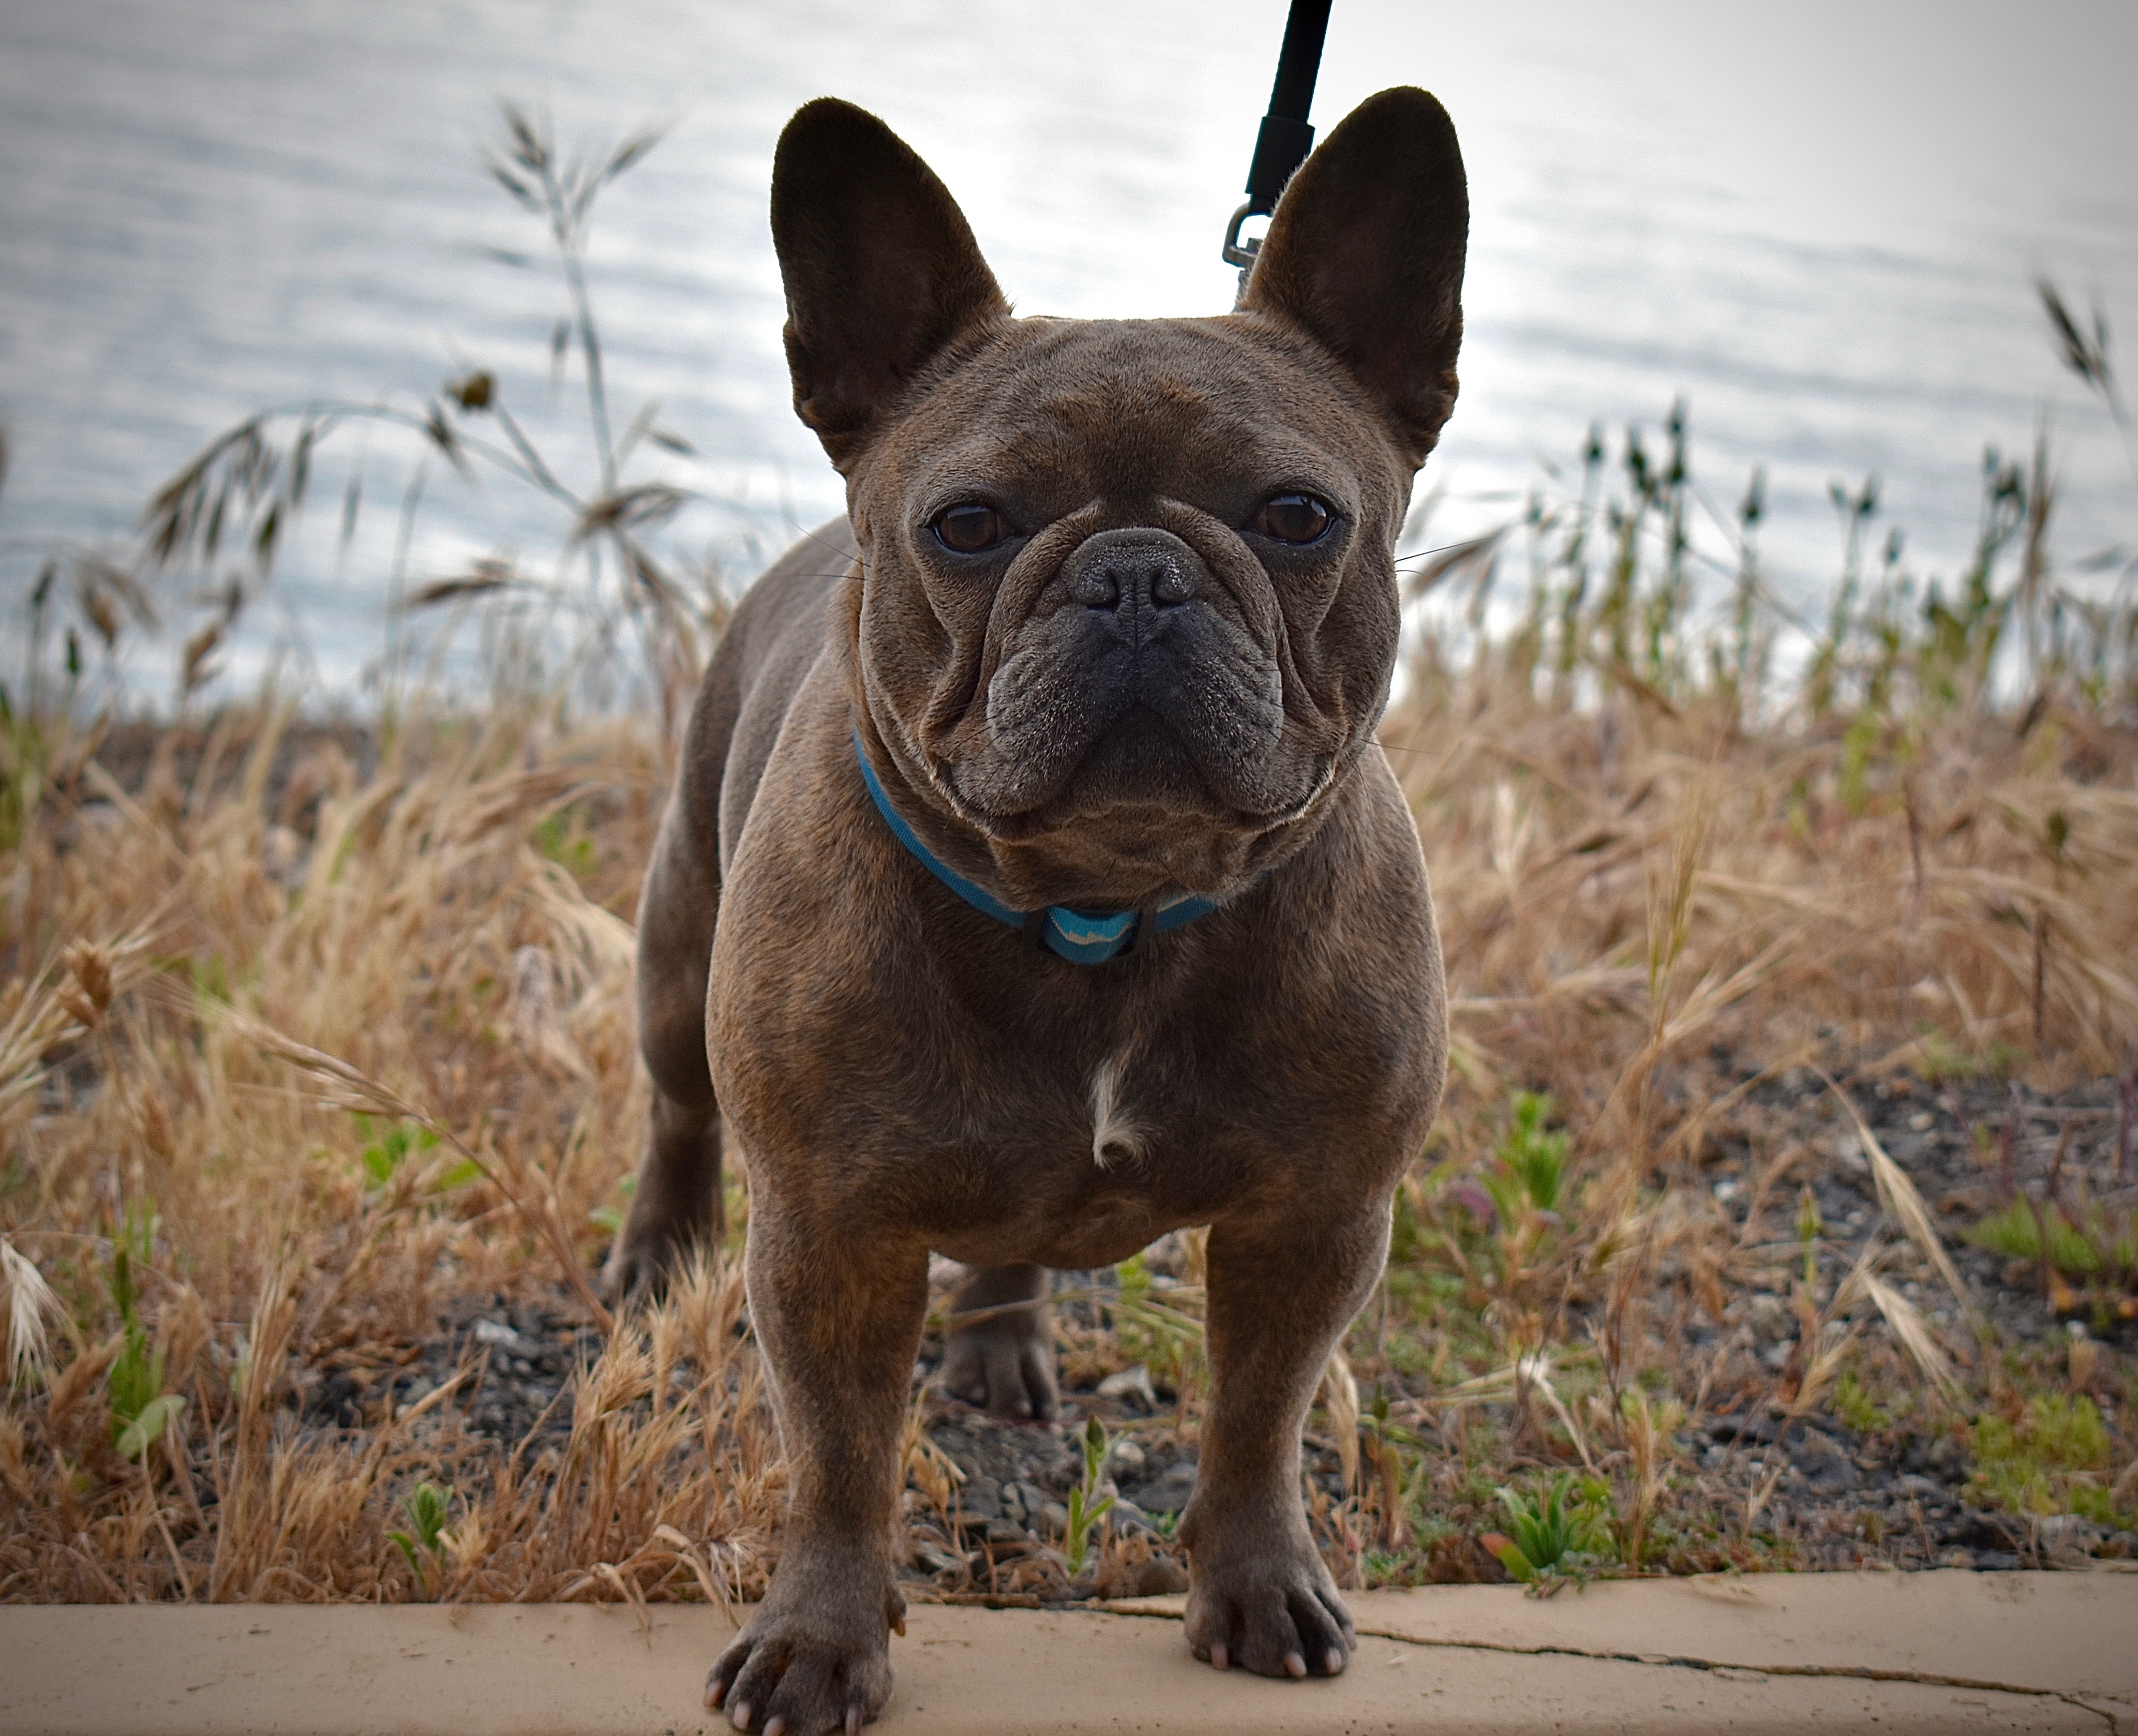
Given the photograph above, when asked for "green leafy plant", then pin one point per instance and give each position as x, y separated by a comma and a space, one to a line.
141, 1410
384, 1154
1550, 1526
2054, 1458
1088, 1507
429, 1506
2093, 1245
1529, 1164
1868, 1411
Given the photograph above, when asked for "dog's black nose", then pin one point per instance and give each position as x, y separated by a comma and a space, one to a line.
1132, 575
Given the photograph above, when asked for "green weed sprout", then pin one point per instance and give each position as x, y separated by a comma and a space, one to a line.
429, 1506
1810, 1226
2056, 1458
1530, 1163
1086, 1505
383, 1156
140, 1409
1548, 1527
2085, 1244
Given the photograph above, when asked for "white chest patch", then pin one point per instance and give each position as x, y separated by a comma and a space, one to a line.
1115, 1133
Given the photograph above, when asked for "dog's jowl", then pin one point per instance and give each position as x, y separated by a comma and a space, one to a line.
1033, 885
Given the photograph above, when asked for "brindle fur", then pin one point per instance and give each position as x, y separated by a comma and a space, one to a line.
904, 1073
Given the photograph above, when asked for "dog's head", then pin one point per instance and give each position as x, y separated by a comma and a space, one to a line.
1129, 611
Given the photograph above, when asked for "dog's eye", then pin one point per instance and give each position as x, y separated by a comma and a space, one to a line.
1296, 518
970, 529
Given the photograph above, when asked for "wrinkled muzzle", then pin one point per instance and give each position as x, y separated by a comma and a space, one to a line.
1131, 674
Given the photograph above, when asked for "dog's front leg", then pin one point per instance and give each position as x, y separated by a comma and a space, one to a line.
1282, 1288
838, 1315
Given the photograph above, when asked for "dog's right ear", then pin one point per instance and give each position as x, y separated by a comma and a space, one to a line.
882, 271
1365, 253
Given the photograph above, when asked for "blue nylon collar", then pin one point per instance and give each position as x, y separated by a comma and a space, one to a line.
1082, 937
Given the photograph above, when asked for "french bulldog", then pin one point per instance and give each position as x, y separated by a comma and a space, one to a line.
1033, 884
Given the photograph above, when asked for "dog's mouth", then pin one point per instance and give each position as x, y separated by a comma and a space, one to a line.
1131, 690
1140, 809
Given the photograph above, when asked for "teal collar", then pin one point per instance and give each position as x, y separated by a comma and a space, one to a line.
1082, 937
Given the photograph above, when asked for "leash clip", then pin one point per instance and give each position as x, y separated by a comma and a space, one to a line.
1238, 252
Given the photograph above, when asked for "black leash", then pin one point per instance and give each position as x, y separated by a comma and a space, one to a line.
1285, 139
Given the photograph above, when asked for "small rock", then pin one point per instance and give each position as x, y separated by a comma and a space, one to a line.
1167, 1492
1127, 1516
1131, 1384
2068, 1531
934, 1558
493, 1332
1827, 1473
1126, 1460
1160, 1576
1055, 1517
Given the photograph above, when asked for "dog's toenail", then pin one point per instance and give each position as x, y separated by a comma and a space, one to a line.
1219, 1658
853, 1721
1295, 1666
740, 1717
1334, 1662
775, 1725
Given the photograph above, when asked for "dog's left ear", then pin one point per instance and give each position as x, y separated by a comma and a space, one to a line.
881, 270
1365, 252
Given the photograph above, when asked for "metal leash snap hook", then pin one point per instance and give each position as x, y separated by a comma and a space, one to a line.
1284, 137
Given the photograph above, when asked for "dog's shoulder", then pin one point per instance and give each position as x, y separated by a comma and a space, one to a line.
765, 653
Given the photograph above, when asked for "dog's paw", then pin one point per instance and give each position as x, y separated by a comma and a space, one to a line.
650, 1247
805, 1666
1000, 1354
1277, 1614
1006, 1365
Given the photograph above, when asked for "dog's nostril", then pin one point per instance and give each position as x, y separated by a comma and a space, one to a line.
1170, 585
1097, 587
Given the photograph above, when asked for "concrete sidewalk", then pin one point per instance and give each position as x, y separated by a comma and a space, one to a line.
1931, 1652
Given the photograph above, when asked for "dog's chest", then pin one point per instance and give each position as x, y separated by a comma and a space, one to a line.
1091, 1148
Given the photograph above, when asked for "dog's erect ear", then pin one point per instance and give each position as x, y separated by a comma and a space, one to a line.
1365, 252
881, 269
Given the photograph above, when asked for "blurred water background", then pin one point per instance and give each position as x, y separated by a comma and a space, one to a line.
1818, 225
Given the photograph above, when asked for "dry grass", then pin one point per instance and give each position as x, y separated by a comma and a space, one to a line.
205, 977
217, 983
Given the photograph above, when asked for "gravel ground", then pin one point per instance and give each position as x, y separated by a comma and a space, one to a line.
1842, 1498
